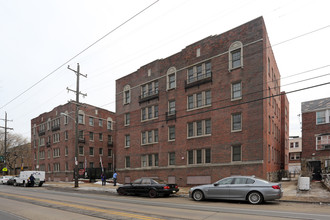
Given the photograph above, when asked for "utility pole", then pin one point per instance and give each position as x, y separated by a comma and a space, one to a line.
5, 154
77, 72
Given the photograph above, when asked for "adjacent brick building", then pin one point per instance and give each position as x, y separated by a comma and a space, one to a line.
295, 155
315, 137
53, 136
212, 110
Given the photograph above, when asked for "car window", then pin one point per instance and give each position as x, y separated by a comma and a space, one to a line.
240, 181
249, 181
138, 181
145, 181
225, 181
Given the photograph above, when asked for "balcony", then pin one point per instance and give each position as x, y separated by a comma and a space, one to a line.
56, 127
81, 140
149, 96
110, 143
170, 115
48, 144
198, 80
41, 133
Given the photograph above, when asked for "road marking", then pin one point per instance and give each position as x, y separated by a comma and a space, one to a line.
99, 210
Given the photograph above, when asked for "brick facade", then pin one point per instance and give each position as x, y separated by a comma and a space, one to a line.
53, 136
227, 114
315, 137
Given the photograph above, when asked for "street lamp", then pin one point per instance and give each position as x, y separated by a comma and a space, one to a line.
75, 147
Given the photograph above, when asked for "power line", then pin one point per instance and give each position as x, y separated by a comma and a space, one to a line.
113, 30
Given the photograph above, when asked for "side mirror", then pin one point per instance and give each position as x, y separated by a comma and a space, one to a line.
216, 184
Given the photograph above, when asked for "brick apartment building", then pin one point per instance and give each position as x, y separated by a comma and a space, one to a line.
295, 154
315, 138
210, 111
53, 136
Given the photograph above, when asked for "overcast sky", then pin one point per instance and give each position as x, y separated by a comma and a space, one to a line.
41, 36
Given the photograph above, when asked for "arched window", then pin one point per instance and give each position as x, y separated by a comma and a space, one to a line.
171, 78
127, 94
235, 55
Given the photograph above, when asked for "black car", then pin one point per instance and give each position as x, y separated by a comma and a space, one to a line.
148, 186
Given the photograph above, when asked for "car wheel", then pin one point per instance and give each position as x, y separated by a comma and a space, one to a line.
198, 195
255, 198
121, 192
152, 193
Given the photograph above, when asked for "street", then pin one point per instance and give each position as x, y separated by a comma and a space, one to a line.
42, 203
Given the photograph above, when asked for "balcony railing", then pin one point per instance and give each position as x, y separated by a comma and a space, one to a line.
81, 140
110, 143
42, 133
149, 96
56, 127
48, 144
171, 115
198, 80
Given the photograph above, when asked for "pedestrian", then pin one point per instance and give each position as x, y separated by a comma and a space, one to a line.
114, 177
31, 179
103, 178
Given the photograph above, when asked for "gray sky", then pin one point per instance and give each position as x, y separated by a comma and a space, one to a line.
38, 36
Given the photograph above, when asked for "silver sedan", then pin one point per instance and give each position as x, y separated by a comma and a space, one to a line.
247, 188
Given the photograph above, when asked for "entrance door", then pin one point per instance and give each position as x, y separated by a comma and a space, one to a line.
316, 168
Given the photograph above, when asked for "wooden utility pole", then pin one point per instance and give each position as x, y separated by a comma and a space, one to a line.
5, 154
77, 72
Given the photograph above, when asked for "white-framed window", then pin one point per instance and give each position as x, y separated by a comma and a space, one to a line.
81, 117
49, 153
149, 160
149, 89
171, 78
235, 55
101, 151
199, 156
56, 152
236, 91
66, 119
199, 100
41, 141
199, 128
149, 113
66, 151
236, 152
91, 136
91, 151
323, 117
109, 152
56, 138
81, 150
149, 137
127, 140
56, 167
127, 162
127, 94
171, 133
100, 123
294, 156
171, 107
100, 137
42, 154
171, 158
127, 119
236, 122
323, 142
199, 72
109, 124
66, 135
91, 121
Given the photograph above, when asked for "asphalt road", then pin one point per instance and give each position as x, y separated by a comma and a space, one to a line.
42, 203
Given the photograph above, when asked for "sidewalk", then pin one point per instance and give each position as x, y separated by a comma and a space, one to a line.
317, 193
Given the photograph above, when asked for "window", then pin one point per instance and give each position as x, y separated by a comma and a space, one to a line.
171, 133
236, 153
294, 156
42, 154
127, 140
127, 119
66, 166
149, 113
80, 118
81, 150
199, 72
127, 95
323, 117
66, 119
91, 136
91, 151
199, 128
171, 158
199, 100
48, 153
100, 151
149, 137
235, 55
56, 152
41, 141
81, 135
236, 122
171, 78
199, 156
109, 152
91, 165
236, 91
66, 135
100, 122
171, 107
323, 142
150, 160
56, 138
149, 89
100, 137
127, 162
56, 167
109, 124
91, 121
66, 151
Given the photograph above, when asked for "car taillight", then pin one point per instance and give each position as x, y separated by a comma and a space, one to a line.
276, 187
176, 187
166, 187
